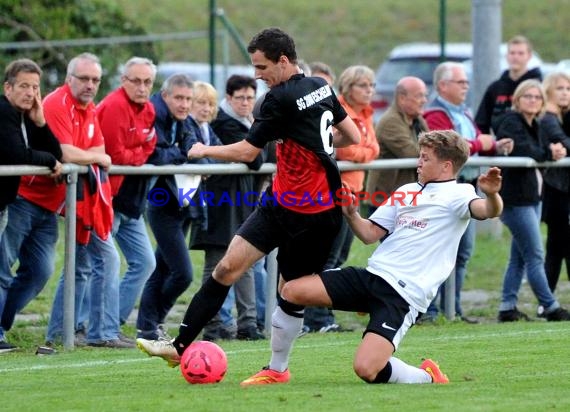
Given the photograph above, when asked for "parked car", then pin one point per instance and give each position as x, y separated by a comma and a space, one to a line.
420, 60
412, 59
547, 68
563, 65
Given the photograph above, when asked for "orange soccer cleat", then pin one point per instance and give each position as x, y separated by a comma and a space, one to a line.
267, 376
437, 376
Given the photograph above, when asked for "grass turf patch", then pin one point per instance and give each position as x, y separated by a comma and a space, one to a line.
491, 367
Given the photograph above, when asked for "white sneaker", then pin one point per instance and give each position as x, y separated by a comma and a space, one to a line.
162, 332
162, 348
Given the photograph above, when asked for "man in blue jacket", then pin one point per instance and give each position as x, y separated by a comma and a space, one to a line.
169, 218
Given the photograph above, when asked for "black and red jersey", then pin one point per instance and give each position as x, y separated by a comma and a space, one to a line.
299, 115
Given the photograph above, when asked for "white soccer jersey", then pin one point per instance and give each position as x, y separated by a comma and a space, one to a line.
425, 224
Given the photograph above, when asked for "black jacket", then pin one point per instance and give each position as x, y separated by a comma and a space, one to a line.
43, 148
520, 184
552, 132
498, 98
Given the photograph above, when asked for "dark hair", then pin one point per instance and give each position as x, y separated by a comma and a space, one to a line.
237, 82
18, 66
273, 43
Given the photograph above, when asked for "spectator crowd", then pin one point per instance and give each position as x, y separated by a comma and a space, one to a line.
521, 114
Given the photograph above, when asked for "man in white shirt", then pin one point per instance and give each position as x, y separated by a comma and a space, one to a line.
425, 222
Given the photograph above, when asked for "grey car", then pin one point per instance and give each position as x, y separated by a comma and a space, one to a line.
412, 59
420, 60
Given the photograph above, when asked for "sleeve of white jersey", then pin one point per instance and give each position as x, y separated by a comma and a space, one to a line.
460, 203
385, 216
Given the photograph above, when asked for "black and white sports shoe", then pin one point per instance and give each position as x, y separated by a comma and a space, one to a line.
512, 315
6, 347
48, 349
557, 315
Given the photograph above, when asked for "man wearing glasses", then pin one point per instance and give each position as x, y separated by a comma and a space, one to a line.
448, 111
127, 120
70, 114
231, 125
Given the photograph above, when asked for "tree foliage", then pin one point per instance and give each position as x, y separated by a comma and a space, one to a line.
50, 20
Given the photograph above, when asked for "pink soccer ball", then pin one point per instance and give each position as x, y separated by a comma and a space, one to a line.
203, 362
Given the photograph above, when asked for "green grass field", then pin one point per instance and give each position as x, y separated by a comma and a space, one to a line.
345, 33
492, 367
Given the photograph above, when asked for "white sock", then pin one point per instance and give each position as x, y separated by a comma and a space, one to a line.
404, 373
284, 329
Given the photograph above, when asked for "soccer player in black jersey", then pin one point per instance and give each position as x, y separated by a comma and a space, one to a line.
298, 215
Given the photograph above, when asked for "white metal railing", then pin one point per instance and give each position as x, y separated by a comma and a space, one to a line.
72, 171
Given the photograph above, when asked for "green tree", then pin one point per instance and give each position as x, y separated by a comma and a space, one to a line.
64, 20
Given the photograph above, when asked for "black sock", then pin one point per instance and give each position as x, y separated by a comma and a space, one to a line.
384, 375
203, 307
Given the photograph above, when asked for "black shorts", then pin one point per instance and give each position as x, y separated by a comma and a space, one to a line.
357, 290
304, 240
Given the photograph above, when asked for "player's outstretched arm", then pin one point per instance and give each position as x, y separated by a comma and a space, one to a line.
490, 184
346, 133
241, 151
364, 229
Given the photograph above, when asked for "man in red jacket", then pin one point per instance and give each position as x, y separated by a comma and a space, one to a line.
70, 112
448, 111
127, 120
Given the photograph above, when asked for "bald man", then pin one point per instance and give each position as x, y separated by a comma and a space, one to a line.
397, 131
